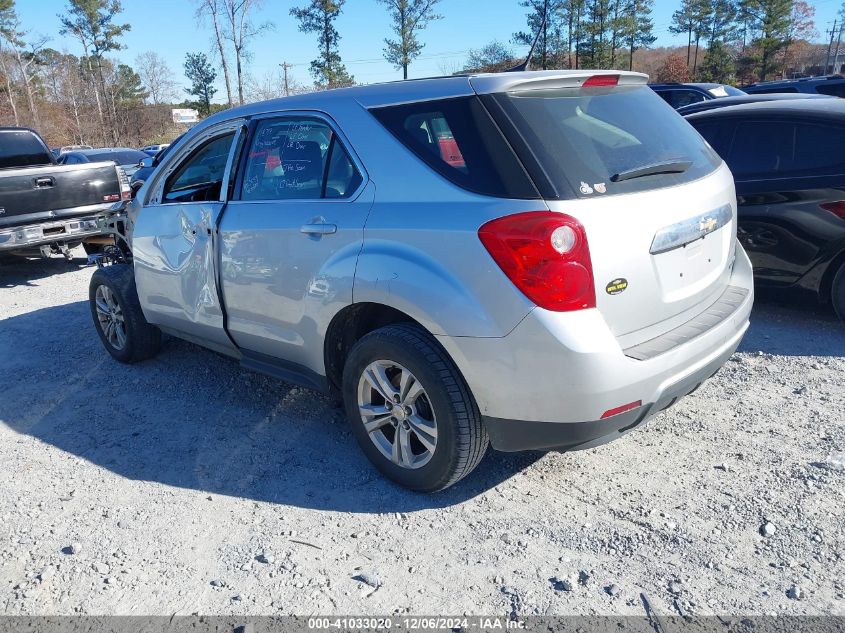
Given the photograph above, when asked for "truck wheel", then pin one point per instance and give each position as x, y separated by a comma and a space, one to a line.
117, 315
837, 293
410, 409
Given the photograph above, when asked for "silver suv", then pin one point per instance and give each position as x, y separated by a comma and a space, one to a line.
538, 260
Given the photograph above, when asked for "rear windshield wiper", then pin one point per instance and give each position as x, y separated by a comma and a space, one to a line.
669, 167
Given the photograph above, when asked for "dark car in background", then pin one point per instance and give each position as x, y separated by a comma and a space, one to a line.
126, 158
679, 95
152, 150
831, 85
148, 164
712, 104
789, 168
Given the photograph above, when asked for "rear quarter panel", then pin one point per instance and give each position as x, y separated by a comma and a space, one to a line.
421, 251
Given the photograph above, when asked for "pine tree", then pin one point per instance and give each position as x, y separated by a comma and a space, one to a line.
408, 17
318, 17
201, 74
544, 17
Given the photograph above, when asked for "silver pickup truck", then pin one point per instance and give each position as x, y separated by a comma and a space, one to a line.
48, 208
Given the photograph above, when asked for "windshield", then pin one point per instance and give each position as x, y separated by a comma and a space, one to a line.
579, 141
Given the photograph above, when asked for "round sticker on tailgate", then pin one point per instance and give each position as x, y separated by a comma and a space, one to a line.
616, 286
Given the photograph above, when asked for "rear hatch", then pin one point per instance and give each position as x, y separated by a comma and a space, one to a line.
657, 204
35, 194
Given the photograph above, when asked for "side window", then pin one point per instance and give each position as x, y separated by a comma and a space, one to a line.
200, 176
717, 133
763, 148
342, 179
458, 139
818, 148
666, 95
834, 89
297, 159
767, 91
681, 98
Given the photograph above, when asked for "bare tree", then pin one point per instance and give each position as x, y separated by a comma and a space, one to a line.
7, 79
271, 85
24, 54
91, 22
157, 77
215, 10
239, 31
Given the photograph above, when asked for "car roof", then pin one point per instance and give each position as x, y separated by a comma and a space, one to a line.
819, 108
414, 90
752, 98
774, 83
673, 84
104, 150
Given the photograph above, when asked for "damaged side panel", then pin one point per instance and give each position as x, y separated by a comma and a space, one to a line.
175, 272
173, 240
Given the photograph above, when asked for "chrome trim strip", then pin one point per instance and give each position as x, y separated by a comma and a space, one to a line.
682, 233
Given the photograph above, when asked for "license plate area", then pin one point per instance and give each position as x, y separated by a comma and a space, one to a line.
685, 270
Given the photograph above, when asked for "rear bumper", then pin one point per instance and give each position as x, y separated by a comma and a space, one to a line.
520, 435
38, 234
547, 384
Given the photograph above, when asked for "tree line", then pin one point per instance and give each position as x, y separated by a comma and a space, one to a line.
95, 99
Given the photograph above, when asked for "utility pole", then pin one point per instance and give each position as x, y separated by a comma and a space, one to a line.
836, 54
829, 47
285, 67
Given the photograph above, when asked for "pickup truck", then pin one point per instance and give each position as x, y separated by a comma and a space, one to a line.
49, 208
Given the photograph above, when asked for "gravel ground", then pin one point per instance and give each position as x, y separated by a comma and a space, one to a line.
185, 484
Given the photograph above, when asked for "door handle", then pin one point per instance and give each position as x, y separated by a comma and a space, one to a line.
43, 182
318, 229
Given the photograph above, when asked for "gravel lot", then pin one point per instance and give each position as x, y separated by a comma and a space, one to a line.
185, 484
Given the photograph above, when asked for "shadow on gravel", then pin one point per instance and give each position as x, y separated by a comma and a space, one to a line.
794, 329
193, 419
22, 271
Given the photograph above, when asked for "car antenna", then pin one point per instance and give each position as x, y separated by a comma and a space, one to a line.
526, 65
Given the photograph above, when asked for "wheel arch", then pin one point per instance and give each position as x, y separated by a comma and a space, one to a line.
826, 284
352, 323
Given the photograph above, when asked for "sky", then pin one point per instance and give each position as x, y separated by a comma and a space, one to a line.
170, 28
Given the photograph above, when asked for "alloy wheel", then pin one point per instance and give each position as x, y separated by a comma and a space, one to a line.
397, 414
110, 317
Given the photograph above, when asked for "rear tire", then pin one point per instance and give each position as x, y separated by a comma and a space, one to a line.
837, 293
433, 417
118, 317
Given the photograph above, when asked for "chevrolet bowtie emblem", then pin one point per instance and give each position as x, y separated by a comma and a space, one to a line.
707, 225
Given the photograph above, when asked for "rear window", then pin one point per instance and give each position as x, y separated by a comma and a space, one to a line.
457, 138
583, 142
22, 149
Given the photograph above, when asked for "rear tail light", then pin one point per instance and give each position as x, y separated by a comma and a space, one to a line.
836, 208
125, 189
546, 256
599, 81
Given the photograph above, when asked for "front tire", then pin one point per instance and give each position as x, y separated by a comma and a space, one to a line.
118, 317
837, 293
411, 410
